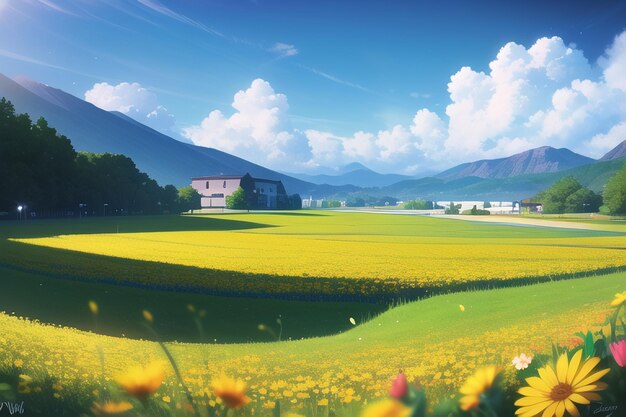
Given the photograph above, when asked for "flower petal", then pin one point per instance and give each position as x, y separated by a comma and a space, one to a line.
533, 409
585, 369
533, 392
548, 375
549, 411
561, 369
560, 409
573, 366
529, 401
577, 398
592, 378
571, 408
539, 384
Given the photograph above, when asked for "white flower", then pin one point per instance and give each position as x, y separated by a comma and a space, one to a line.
522, 361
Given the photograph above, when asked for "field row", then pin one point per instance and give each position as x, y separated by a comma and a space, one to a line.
433, 340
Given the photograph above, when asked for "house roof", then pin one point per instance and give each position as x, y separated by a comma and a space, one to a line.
219, 177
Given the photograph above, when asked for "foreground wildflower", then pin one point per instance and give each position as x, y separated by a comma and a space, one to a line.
232, 391
554, 393
522, 361
476, 385
93, 307
110, 408
620, 298
386, 408
618, 349
142, 382
399, 386
147, 315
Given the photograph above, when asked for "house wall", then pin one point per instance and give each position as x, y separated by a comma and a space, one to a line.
217, 191
267, 194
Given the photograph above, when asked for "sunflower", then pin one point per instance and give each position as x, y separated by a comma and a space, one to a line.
142, 382
476, 385
388, 407
110, 408
620, 298
232, 391
555, 393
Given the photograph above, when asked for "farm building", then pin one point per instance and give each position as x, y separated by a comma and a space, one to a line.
260, 193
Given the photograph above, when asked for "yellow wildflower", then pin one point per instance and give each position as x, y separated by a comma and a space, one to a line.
142, 382
555, 392
386, 408
232, 391
476, 385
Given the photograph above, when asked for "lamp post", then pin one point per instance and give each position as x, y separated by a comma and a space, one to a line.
80, 209
104, 209
19, 211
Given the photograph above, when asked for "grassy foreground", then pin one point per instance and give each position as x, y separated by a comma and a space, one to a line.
432, 340
312, 254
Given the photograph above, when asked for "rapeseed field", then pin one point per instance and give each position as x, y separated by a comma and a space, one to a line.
356, 253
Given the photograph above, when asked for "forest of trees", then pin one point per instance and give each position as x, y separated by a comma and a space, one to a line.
41, 172
568, 196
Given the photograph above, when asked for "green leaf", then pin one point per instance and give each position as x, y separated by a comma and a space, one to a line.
588, 347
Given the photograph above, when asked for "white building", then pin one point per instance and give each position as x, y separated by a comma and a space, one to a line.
260, 193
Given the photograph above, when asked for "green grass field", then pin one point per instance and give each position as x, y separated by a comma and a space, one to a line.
434, 340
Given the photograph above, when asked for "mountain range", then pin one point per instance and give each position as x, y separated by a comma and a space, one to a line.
165, 159
170, 161
354, 174
534, 161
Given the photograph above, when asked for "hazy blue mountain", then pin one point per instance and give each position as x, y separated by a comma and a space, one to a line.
355, 174
617, 152
534, 161
593, 175
165, 159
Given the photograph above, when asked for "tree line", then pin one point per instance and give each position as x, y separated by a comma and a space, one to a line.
41, 172
569, 196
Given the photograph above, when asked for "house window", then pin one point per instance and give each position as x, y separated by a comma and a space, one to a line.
207, 185
224, 184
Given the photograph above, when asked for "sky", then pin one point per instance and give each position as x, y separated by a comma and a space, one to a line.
309, 86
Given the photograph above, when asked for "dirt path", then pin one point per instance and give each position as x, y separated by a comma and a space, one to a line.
525, 221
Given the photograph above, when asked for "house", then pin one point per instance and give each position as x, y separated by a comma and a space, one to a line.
260, 193
529, 206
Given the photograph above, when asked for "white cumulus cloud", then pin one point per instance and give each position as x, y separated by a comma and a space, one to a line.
259, 130
134, 101
546, 94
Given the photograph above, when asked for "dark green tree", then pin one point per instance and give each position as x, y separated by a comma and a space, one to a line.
188, 199
615, 193
453, 209
237, 200
583, 201
418, 205
568, 196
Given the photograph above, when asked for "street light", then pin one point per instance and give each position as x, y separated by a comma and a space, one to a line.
19, 210
105, 209
80, 209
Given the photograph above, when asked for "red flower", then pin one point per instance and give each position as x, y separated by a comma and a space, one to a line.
618, 349
399, 386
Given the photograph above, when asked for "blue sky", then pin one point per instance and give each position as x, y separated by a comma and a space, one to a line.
336, 82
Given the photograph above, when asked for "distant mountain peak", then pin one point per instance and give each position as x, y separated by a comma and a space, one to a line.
617, 152
533, 161
354, 166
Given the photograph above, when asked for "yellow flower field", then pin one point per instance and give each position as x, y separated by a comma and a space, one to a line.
384, 254
441, 352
